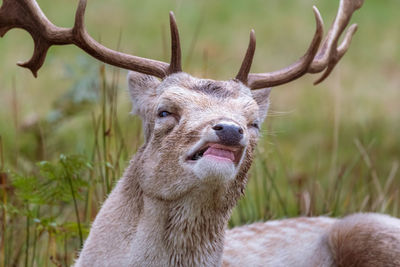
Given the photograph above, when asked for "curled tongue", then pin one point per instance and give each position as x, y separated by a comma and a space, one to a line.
220, 153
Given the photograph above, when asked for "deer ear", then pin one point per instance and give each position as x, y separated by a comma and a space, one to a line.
142, 89
261, 96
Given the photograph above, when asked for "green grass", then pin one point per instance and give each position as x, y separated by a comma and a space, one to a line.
332, 149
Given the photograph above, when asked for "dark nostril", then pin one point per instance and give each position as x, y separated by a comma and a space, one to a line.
228, 134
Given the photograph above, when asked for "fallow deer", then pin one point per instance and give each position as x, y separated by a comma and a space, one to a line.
173, 202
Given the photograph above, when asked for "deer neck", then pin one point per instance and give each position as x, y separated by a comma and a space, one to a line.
185, 232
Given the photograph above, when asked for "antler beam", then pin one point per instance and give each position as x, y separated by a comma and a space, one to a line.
314, 60
27, 15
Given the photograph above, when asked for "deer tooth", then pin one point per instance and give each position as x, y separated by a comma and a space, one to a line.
196, 156
199, 154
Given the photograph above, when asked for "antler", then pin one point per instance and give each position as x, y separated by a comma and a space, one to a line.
314, 60
26, 14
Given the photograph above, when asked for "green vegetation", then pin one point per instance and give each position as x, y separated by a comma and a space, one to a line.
66, 137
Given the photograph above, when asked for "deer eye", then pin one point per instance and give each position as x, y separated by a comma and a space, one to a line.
163, 114
255, 125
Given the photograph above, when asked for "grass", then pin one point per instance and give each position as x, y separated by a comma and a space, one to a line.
66, 137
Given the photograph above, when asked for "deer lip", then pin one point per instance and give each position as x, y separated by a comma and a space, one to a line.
217, 151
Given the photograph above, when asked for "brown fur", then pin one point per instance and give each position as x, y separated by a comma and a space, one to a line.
366, 240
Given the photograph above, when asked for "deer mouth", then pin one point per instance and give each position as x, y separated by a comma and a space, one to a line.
217, 152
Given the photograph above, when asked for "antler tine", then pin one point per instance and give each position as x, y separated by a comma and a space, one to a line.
329, 54
175, 65
335, 55
26, 14
79, 25
327, 57
248, 59
294, 71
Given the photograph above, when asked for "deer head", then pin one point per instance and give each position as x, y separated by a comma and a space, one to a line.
197, 131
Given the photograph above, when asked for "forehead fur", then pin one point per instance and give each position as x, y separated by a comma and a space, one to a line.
220, 89
182, 92
214, 99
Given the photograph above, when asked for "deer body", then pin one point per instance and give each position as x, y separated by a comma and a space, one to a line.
173, 203
166, 211
361, 239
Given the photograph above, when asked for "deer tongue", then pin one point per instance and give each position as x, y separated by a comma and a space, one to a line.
220, 153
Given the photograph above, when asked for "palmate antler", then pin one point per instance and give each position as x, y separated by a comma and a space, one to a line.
314, 60
26, 14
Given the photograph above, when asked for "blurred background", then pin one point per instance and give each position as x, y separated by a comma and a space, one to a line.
66, 137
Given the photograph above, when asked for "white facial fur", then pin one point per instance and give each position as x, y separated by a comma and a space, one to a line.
194, 107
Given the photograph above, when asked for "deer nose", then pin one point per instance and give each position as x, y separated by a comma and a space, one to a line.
229, 135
